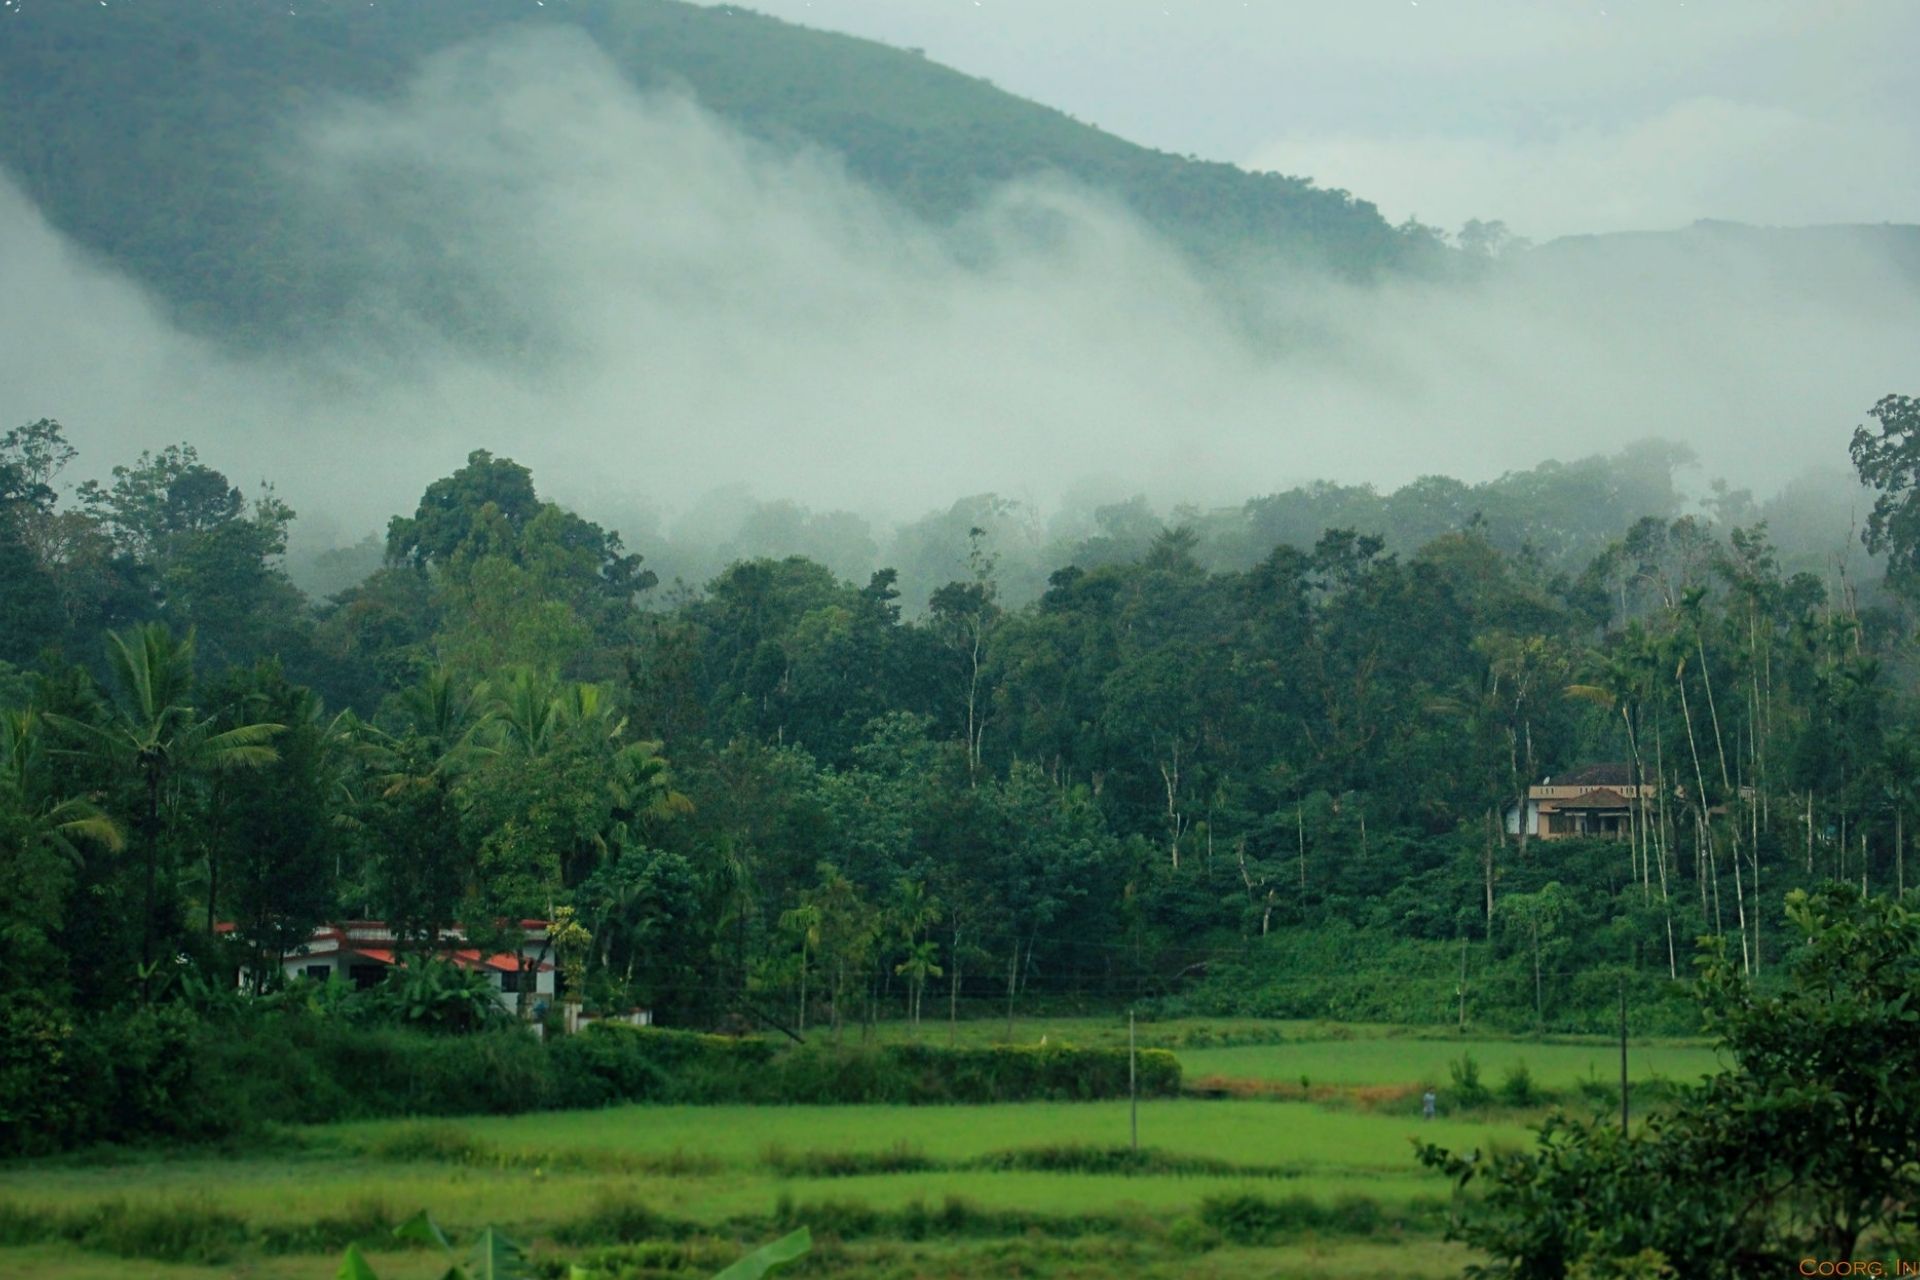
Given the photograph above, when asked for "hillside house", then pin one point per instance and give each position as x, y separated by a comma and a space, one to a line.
1597, 800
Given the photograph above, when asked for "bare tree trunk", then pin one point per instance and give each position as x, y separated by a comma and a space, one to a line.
1705, 820
1491, 841
1733, 797
953, 992
1660, 848
1013, 974
1759, 903
1300, 830
976, 727
1170, 777
1641, 833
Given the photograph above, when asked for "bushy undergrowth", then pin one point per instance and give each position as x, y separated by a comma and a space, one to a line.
1335, 970
1249, 1219
899, 1158
1075, 1158
182, 1231
132, 1077
164, 1074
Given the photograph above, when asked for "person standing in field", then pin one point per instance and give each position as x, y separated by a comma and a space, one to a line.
1427, 1101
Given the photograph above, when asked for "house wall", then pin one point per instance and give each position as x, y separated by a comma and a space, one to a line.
510, 998
1531, 815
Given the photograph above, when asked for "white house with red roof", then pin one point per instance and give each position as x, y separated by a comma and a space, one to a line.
363, 951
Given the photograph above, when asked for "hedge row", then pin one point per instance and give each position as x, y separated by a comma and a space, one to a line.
161, 1074
614, 1064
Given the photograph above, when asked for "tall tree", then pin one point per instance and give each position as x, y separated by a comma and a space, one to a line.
154, 734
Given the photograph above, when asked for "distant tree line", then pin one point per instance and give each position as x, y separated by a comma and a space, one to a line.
1282, 788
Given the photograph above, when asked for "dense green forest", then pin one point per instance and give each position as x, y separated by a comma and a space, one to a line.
1277, 789
157, 136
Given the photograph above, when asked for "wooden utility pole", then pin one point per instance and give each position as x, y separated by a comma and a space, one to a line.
1133, 1085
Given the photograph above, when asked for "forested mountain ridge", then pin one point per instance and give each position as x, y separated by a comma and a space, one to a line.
150, 134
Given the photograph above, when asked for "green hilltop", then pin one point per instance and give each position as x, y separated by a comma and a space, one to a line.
143, 129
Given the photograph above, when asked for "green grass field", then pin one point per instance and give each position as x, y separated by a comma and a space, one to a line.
1028, 1189
1424, 1062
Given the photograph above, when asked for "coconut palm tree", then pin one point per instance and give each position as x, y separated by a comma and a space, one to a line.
42, 836
151, 732
45, 823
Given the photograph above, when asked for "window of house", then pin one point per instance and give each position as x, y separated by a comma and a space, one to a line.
319, 972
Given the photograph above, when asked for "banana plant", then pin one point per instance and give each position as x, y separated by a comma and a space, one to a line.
492, 1257
495, 1257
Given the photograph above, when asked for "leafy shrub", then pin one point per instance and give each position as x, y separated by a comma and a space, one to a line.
1189, 1234
40, 1108
436, 996
1517, 1088
617, 1216
442, 1143
608, 1063
1252, 1219
1468, 1088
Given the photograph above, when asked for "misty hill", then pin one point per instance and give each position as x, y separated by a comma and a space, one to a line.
1806, 260
151, 134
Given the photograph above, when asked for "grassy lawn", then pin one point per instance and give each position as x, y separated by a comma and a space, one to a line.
1421, 1061
1319, 1259
64, 1262
559, 1168
1243, 1133
1033, 1196
1111, 1032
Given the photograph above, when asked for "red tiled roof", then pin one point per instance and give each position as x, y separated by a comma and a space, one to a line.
353, 937
502, 961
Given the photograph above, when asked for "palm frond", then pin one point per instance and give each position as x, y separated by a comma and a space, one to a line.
76, 819
1596, 694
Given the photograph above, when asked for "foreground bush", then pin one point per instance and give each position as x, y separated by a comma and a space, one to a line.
1800, 1150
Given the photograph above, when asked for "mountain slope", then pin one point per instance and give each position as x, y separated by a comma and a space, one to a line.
1805, 256
141, 129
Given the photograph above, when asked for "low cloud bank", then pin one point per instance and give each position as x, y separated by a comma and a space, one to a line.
642, 305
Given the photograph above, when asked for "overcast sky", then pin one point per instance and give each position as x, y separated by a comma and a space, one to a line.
1557, 116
